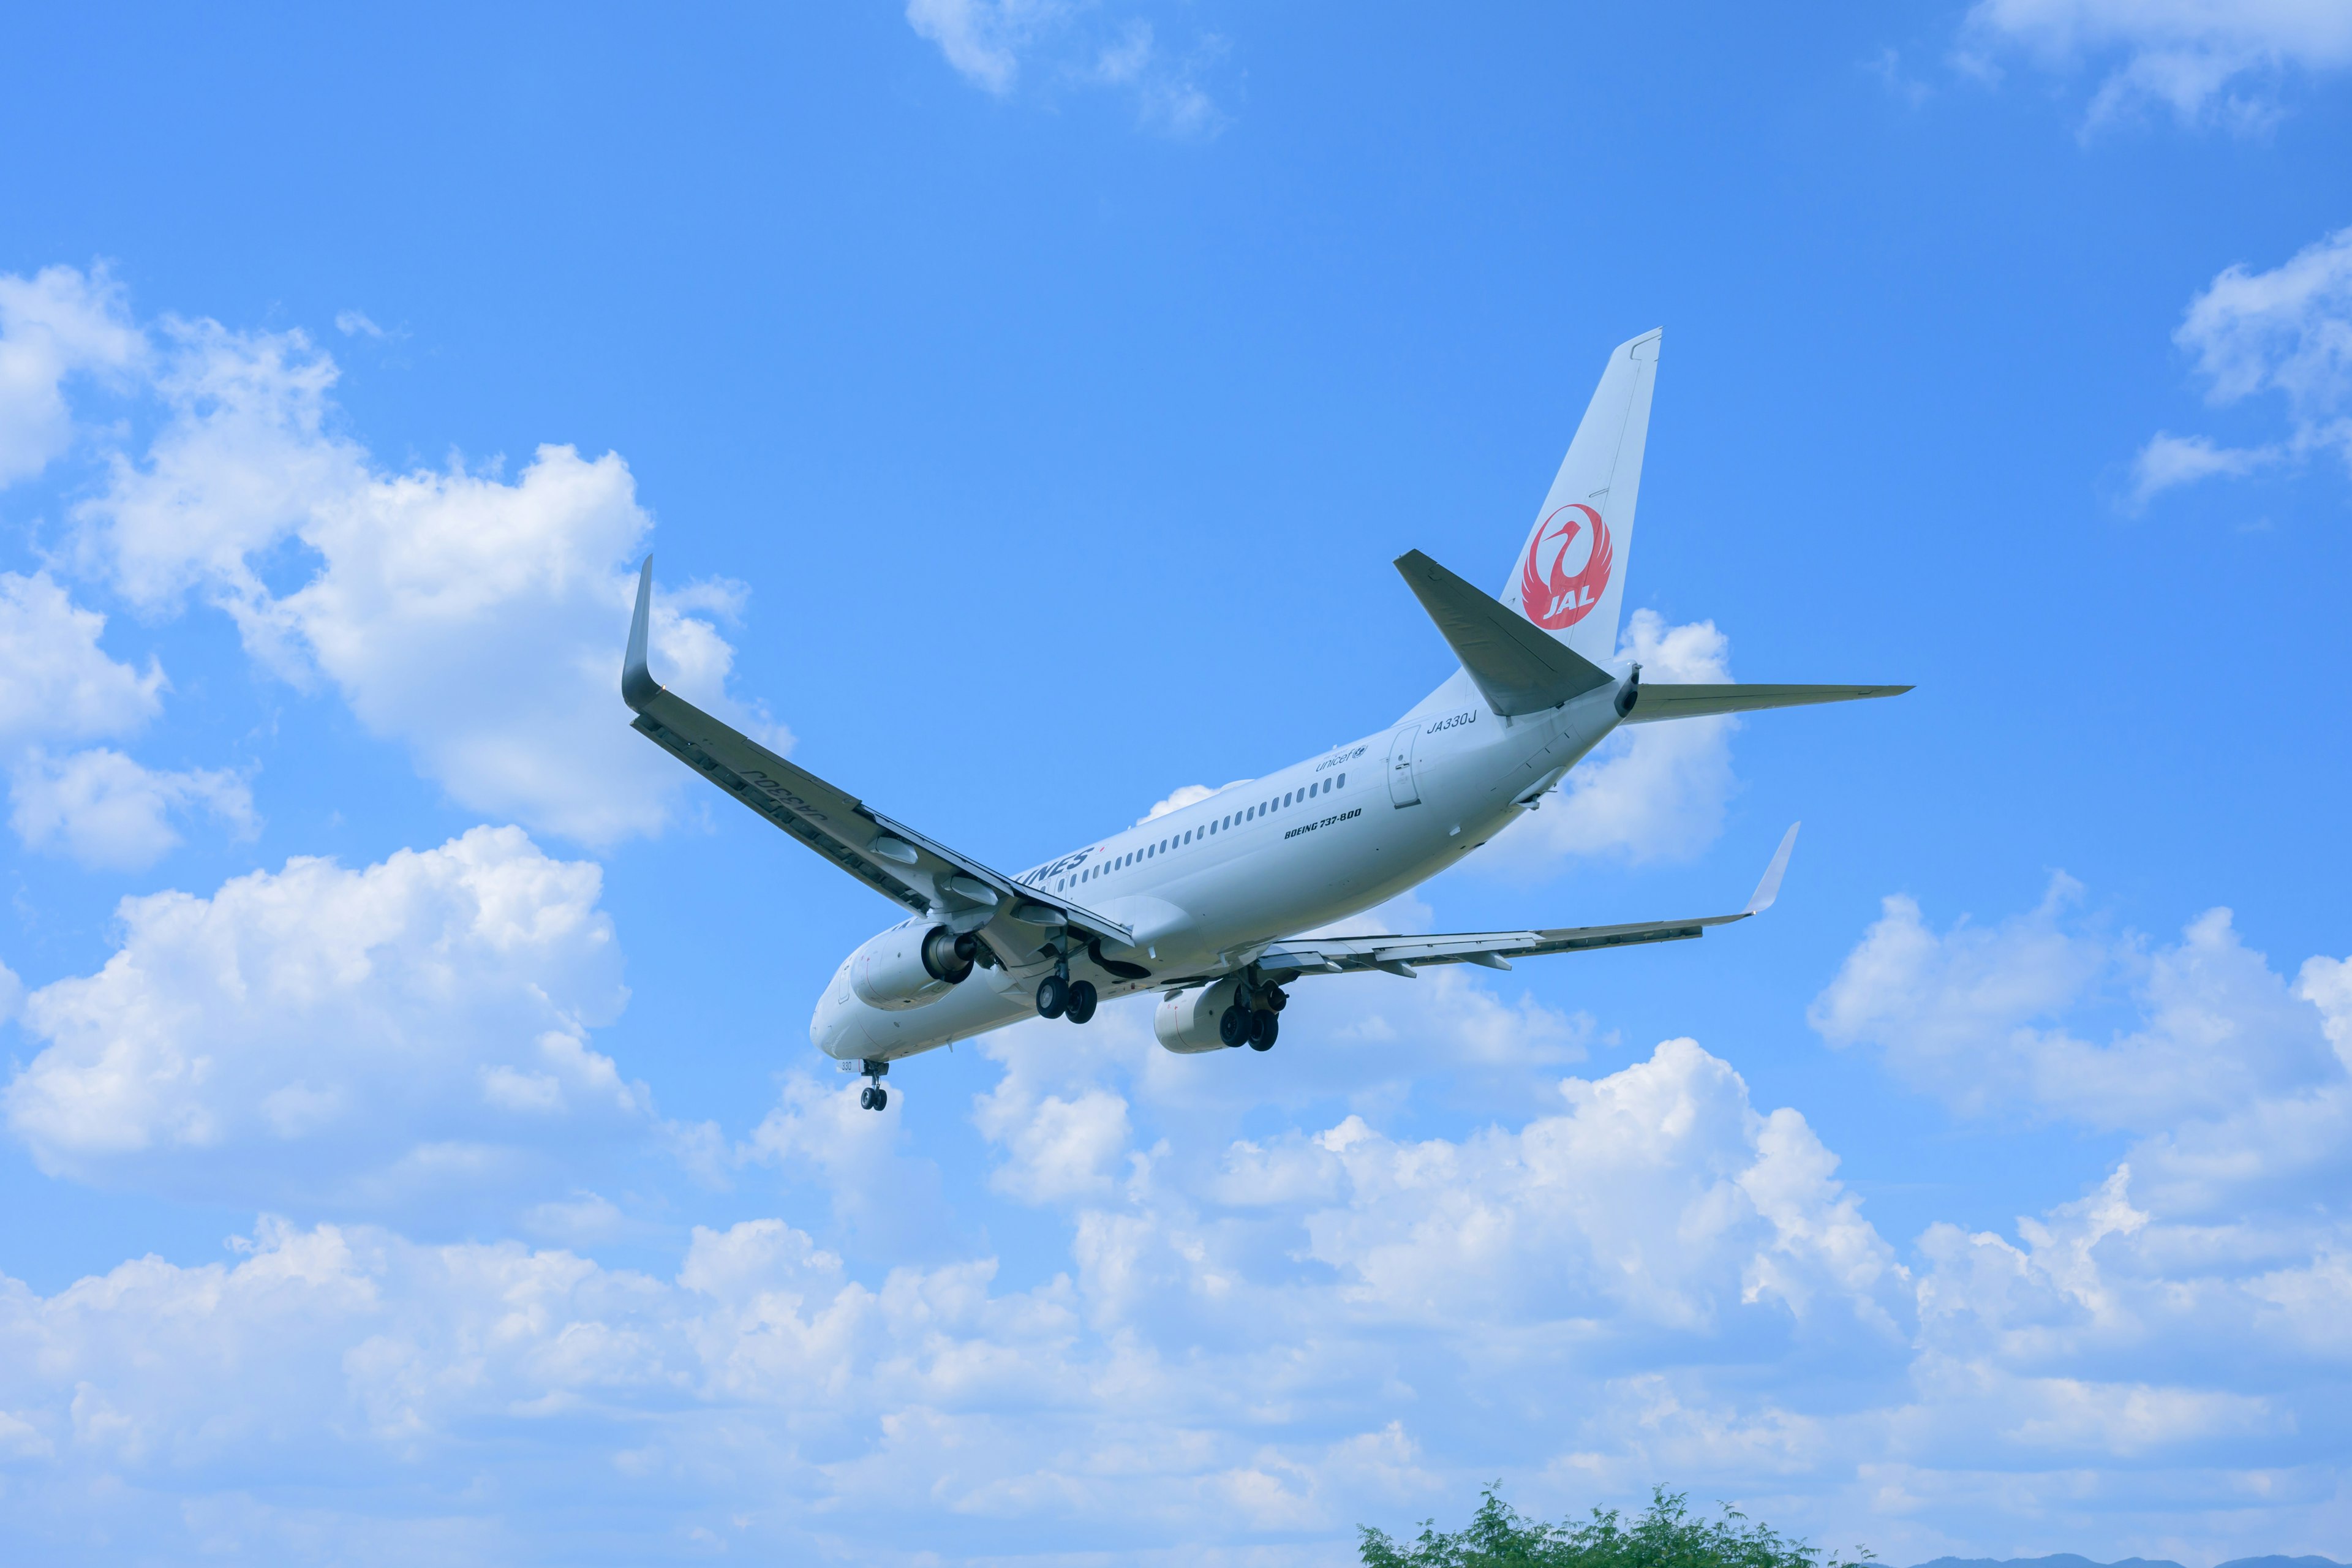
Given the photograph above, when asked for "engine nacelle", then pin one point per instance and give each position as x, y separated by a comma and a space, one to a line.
911, 966
1186, 1023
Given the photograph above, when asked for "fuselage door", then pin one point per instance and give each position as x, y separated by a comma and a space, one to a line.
1403, 790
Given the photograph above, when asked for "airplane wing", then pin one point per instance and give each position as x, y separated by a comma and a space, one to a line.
897, 862
1661, 700
1495, 949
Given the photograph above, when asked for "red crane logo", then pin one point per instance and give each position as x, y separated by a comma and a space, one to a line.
1551, 598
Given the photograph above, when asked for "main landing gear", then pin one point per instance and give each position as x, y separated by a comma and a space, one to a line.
874, 1097
1251, 1020
1059, 996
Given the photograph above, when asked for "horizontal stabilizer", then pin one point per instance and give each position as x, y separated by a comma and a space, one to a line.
1519, 667
1660, 699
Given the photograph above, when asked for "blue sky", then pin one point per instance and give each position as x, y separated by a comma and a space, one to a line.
412, 1143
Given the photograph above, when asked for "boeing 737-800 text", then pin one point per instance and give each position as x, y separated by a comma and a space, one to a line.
1204, 903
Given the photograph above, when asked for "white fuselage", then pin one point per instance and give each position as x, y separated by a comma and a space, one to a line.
1206, 886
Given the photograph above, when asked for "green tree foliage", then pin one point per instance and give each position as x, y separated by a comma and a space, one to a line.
1665, 1536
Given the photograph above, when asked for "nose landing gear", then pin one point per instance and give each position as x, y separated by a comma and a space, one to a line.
874, 1097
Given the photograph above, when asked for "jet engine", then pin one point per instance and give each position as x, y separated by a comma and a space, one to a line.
1186, 1023
911, 966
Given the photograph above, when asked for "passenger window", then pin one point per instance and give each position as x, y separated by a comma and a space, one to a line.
1343, 780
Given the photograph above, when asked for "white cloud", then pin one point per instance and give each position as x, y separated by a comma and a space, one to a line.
980, 38
2287, 330
475, 619
409, 1032
1201, 1373
1254, 1345
356, 324
1650, 792
2203, 58
96, 806
1180, 797
1056, 1148
2169, 460
53, 325
990, 42
62, 685
1659, 1200
1979, 1015
2191, 1305
105, 811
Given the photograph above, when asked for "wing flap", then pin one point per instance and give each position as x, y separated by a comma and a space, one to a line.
1397, 954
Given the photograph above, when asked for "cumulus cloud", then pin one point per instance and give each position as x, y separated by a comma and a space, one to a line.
96, 806
2287, 330
2190, 1305
1982, 1015
1252, 1341
474, 618
1659, 1199
54, 325
1650, 792
991, 43
1180, 797
105, 811
62, 685
1055, 1147
1205, 1370
2205, 60
313, 1037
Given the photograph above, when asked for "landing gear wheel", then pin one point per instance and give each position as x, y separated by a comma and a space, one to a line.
1234, 1027
1263, 1027
866, 1098
1081, 1005
1052, 996
1275, 997
881, 1098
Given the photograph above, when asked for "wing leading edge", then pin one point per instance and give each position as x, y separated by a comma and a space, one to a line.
902, 865
1495, 949
1660, 699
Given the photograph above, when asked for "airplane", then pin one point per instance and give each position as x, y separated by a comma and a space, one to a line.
1206, 903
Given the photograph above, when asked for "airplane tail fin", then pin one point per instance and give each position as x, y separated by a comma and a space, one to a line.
1570, 576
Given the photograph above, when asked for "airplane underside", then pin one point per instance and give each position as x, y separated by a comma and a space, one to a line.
1207, 903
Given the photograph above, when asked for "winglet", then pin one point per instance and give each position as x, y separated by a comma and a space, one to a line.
638, 686
1769, 888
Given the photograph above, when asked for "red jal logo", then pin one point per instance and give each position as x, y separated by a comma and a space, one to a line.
1554, 600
